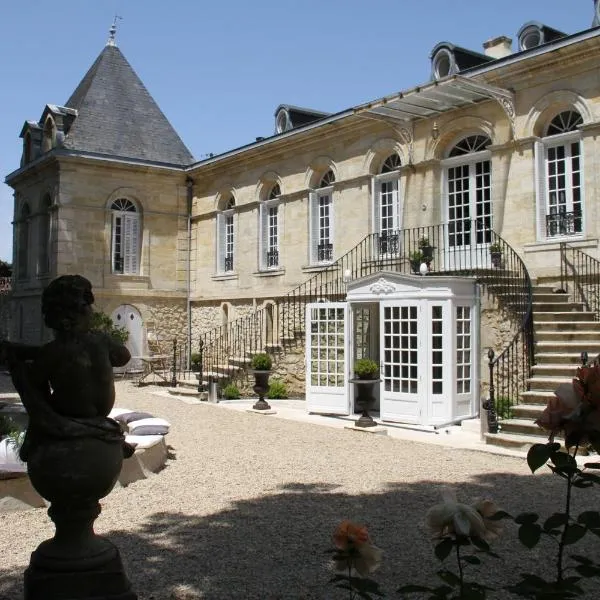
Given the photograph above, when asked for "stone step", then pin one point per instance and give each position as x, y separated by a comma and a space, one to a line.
527, 411
540, 316
523, 427
557, 306
572, 359
560, 326
571, 335
515, 442
554, 370
537, 397
560, 347
545, 296
545, 384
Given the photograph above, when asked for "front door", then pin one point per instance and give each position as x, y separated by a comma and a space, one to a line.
326, 358
129, 318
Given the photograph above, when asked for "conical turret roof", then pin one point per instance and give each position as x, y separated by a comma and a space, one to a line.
117, 116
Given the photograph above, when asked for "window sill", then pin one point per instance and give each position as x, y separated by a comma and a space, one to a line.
317, 268
225, 276
120, 281
554, 244
269, 272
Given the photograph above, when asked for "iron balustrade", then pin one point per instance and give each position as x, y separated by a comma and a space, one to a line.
276, 327
272, 258
580, 276
324, 252
563, 223
228, 263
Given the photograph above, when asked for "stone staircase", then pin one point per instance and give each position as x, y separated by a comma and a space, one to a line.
563, 330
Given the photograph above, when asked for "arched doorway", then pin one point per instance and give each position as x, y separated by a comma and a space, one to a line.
129, 317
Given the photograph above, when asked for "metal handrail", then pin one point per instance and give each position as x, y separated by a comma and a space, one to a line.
583, 272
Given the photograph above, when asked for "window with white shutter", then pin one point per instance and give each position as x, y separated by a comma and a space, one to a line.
269, 230
386, 205
226, 238
125, 237
321, 221
559, 178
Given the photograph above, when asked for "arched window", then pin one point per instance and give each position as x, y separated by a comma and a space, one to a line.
125, 237
560, 177
23, 243
44, 235
386, 204
468, 196
321, 221
269, 229
226, 236
49, 135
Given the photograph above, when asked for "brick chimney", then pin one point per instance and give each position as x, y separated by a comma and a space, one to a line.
498, 47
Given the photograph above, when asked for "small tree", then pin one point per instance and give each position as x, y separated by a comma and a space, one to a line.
103, 323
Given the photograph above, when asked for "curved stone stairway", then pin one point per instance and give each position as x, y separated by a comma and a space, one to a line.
563, 330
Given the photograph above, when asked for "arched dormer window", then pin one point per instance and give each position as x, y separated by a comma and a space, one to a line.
44, 235
321, 221
559, 168
386, 204
125, 237
269, 230
23, 242
226, 236
49, 135
468, 197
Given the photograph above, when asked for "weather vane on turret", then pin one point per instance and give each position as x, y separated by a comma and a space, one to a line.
113, 31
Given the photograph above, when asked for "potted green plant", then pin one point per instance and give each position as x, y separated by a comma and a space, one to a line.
416, 259
195, 359
366, 375
426, 249
260, 366
496, 254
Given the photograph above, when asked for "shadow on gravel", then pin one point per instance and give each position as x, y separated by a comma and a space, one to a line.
273, 547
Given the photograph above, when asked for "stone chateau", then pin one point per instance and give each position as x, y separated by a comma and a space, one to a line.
497, 146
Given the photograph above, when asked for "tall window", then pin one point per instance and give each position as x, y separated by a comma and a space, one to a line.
125, 237
321, 221
23, 243
44, 235
386, 204
226, 237
469, 192
560, 177
269, 226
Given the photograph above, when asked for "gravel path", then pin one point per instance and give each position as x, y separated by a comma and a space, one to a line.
247, 505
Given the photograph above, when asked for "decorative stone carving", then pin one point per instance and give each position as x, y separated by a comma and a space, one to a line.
382, 286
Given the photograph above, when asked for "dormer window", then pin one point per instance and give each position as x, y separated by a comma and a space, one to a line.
282, 123
49, 135
443, 64
530, 38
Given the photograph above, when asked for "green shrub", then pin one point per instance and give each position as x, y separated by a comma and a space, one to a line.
504, 409
261, 362
365, 368
277, 390
231, 392
103, 323
195, 358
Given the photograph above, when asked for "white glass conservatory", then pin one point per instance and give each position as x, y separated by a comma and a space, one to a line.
422, 330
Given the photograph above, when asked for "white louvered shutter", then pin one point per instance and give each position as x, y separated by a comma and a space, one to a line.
130, 244
313, 235
376, 205
220, 243
264, 235
540, 178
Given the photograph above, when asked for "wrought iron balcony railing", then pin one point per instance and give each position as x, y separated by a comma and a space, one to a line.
228, 263
272, 258
563, 223
325, 252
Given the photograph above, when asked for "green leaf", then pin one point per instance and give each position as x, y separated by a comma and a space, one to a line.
443, 549
529, 534
481, 544
574, 533
472, 560
557, 471
592, 465
449, 577
564, 462
526, 518
589, 518
538, 456
555, 520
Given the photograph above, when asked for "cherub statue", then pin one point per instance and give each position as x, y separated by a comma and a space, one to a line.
67, 385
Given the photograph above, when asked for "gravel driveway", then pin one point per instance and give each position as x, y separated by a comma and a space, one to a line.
247, 505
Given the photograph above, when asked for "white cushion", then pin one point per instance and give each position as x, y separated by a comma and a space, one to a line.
154, 426
115, 412
143, 441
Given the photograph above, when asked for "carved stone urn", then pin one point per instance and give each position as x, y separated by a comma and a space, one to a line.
261, 387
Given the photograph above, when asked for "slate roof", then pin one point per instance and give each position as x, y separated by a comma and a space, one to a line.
117, 116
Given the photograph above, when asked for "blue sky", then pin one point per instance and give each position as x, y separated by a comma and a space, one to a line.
218, 70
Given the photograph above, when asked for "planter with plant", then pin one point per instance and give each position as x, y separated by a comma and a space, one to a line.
426, 249
496, 254
366, 375
195, 360
260, 366
416, 259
